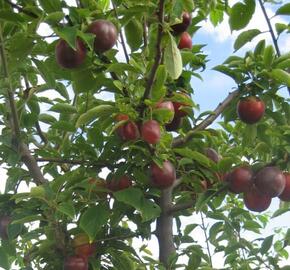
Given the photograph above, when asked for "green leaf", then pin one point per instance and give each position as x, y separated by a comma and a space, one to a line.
283, 10
241, 14
50, 6
172, 59
281, 76
194, 155
93, 219
63, 108
158, 90
121, 67
85, 80
134, 34
269, 55
266, 245
67, 208
188, 5
94, 113
69, 34
54, 17
281, 27
64, 126
245, 37
135, 198
7, 15
45, 73
237, 76
46, 118
4, 258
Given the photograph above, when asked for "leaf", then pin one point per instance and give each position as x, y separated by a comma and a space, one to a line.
4, 258
134, 34
241, 14
121, 67
63, 108
281, 76
237, 76
135, 198
45, 73
284, 10
10, 16
64, 126
94, 113
67, 208
46, 118
54, 17
266, 245
93, 219
69, 34
50, 6
245, 37
268, 56
173, 60
158, 90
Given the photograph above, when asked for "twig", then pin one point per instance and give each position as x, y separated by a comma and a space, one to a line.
22, 148
121, 36
274, 38
40, 133
158, 56
207, 121
181, 206
206, 238
21, 9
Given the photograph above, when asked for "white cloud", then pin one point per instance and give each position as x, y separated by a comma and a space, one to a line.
222, 32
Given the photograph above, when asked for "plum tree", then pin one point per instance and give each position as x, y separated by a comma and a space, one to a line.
121, 90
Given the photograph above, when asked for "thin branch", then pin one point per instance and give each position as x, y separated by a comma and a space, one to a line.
21, 147
206, 238
21, 9
158, 56
181, 206
121, 36
40, 133
207, 121
270, 28
75, 162
274, 38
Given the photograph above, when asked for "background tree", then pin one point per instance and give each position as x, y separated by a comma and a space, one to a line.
163, 158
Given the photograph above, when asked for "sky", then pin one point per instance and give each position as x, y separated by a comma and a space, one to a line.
209, 92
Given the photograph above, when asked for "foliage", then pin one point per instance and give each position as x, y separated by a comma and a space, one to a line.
67, 118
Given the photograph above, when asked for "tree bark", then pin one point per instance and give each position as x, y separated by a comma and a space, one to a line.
164, 228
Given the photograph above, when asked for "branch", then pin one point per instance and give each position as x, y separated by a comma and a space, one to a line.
207, 121
22, 148
75, 162
157, 59
21, 9
274, 38
40, 133
181, 206
121, 36
206, 239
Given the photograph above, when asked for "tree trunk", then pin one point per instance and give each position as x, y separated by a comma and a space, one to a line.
164, 228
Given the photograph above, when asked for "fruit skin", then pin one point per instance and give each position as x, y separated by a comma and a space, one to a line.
75, 263
162, 177
150, 131
270, 181
240, 179
181, 27
185, 41
251, 109
82, 246
255, 200
212, 154
165, 105
67, 57
120, 130
130, 131
4, 222
175, 124
285, 195
119, 184
106, 35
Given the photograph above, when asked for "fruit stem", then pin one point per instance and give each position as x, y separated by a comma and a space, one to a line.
164, 228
